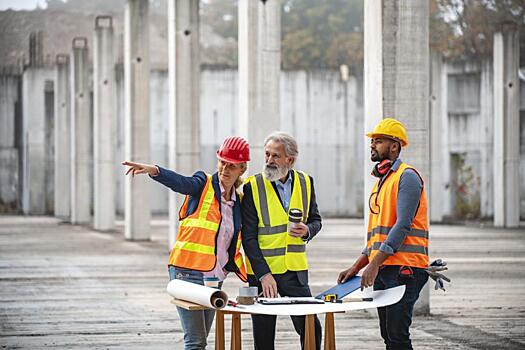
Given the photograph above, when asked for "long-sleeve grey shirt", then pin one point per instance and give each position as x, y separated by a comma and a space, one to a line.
408, 195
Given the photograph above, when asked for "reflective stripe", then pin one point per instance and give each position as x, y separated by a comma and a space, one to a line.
273, 252
207, 201
304, 194
384, 230
273, 230
263, 201
192, 222
297, 248
405, 248
418, 233
195, 247
292, 248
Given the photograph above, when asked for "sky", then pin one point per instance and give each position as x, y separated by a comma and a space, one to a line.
21, 4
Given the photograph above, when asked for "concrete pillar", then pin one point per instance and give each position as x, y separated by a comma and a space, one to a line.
486, 135
34, 140
259, 74
9, 152
34, 168
49, 142
184, 96
438, 112
137, 125
506, 127
104, 125
62, 139
81, 159
397, 82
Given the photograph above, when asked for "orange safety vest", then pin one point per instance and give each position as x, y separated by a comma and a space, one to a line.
382, 217
195, 247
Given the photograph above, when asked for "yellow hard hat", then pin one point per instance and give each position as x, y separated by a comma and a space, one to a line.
391, 128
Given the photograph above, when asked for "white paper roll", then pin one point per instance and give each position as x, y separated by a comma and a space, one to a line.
195, 293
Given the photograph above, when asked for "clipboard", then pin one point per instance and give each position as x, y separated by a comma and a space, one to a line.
342, 289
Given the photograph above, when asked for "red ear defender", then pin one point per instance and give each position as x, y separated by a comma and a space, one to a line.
382, 167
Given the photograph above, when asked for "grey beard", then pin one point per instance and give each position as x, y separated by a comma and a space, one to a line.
275, 174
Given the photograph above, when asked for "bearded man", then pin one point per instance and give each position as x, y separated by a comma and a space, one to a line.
276, 251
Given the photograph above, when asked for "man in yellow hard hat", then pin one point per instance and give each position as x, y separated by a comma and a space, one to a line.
396, 252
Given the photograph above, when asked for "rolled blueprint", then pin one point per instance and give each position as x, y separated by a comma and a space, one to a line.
195, 293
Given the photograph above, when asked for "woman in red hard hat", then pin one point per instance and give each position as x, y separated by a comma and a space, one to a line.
208, 241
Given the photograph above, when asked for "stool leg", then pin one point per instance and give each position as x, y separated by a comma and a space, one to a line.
219, 330
309, 337
236, 332
329, 329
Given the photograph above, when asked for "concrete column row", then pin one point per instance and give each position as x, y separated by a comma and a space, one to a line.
85, 149
88, 153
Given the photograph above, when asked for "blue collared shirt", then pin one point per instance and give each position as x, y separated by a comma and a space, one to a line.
285, 190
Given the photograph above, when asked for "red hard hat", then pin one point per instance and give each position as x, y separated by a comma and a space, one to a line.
234, 149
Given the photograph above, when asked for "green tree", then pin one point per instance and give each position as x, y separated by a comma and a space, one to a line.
472, 24
322, 34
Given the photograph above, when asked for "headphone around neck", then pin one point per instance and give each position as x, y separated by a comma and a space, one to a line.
381, 168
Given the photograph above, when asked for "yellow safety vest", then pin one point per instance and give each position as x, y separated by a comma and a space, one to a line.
382, 216
195, 247
281, 251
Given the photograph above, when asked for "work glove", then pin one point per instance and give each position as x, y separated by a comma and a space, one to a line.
434, 271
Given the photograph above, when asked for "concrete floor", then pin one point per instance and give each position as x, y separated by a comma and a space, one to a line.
64, 286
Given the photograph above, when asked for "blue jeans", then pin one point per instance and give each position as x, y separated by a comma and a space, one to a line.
395, 320
196, 325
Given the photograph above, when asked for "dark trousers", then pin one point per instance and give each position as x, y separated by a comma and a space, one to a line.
291, 285
395, 320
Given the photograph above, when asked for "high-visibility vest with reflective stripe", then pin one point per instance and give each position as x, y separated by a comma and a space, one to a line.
382, 217
281, 251
195, 247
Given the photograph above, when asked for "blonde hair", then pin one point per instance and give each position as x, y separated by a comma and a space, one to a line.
240, 180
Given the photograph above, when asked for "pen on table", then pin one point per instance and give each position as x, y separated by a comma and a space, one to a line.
234, 304
349, 300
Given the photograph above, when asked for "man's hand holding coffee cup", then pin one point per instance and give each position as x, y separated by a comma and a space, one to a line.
298, 229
